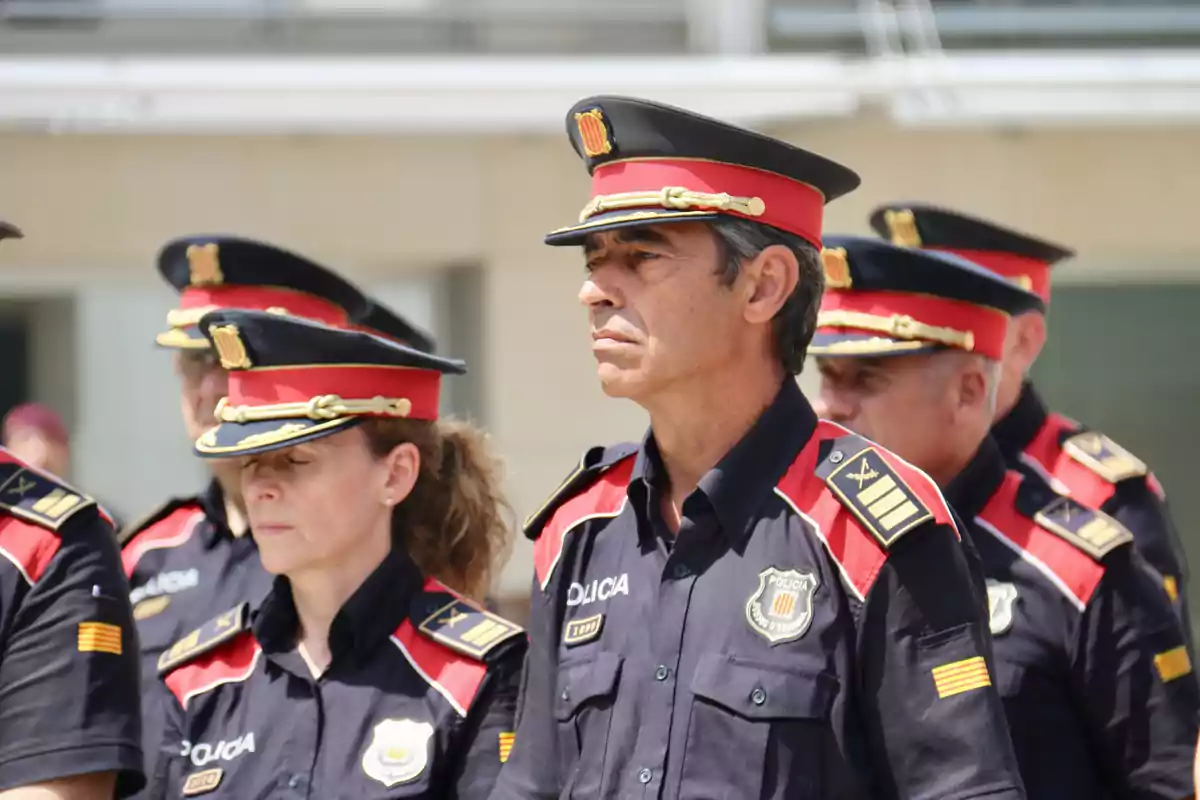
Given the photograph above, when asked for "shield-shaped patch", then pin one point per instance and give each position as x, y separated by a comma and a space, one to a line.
781, 608
1001, 597
399, 751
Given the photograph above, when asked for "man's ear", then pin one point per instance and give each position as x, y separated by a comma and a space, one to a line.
768, 280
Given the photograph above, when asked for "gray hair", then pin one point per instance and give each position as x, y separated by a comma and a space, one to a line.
742, 240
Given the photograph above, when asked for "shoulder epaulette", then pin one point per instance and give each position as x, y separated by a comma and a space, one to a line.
157, 515
1089, 530
861, 477
593, 464
38, 497
1103, 456
206, 638
462, 626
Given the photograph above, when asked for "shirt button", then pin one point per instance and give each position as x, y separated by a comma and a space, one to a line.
644, 776
294, 781
566, 695
661, 674
836, 457
758, 697
680, 571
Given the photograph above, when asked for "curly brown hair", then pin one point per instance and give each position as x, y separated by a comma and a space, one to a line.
457, 523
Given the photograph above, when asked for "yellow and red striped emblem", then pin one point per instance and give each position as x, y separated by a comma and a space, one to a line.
593, 132
784, 604
507, 738
99, 637
961, 676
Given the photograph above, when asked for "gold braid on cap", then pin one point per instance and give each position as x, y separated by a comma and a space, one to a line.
323, 407
899, 326
676, 198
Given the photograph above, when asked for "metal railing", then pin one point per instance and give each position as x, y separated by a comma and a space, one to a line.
567, 26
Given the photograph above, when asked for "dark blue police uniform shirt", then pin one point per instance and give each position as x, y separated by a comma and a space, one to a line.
1097, 683
787, 643
1059, 451
184, 565
418, 701
68, 650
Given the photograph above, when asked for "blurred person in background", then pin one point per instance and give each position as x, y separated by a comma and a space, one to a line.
69, 700
36, 434
715, 613
194, 554
1075, 460
362, 673
1097, 683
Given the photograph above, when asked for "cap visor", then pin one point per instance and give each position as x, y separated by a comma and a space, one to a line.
183, 339
614, 220
248, 438
834, 344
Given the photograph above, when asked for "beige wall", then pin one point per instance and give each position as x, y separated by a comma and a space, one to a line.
96, 208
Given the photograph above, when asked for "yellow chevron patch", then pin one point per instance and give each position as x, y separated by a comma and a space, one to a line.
99, 637
1173, 664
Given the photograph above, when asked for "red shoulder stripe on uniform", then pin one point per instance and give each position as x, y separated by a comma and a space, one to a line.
170, 531
231, 662
1074, 572
1067, 474
454, 676
604, 498
29, 547
856, 552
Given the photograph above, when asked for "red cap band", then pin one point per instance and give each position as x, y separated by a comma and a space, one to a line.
275, 385
261, 298
907, 317
1028, 273
788, 204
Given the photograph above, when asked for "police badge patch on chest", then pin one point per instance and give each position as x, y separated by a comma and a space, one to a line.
781, 608
399, 751
1001, 597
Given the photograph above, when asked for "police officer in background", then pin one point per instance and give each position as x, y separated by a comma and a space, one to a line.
1077, 461
1092, 664
722, 610
69, 710
361, 674
194, 554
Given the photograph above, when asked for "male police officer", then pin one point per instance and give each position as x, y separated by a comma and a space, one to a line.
69, 712
1082, 463
1096, 679
751, 603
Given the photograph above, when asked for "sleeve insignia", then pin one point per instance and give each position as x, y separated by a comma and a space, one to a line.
1093, 532
879, 498
468, 630
1104, 457
593, 463
39, 498
216, 631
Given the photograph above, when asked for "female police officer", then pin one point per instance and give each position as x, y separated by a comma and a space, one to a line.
361, 674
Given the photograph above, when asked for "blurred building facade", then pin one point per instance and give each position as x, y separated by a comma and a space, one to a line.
404, 143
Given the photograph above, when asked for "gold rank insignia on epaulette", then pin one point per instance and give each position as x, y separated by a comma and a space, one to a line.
216, 631
1104, 457
39, 498
879, 498
1091, 531
469, 630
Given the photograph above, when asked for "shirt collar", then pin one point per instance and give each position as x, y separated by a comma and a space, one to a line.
1014, 432
736, 486
212, 501
370, 616
974, 486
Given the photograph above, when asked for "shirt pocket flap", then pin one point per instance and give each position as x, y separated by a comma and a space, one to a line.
759, 690
584, 681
